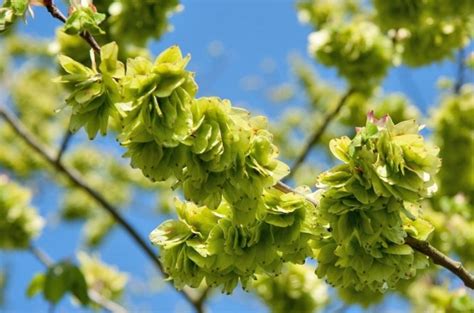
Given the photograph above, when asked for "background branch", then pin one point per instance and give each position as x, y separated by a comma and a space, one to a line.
460, 71
318, 133
77, 180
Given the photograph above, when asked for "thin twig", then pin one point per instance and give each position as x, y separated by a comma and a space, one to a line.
287, 189
318, 133
93, 295
419, 245
443, 260
41, 256
460, 75
57, 14
64, 145
202, 298
77, 180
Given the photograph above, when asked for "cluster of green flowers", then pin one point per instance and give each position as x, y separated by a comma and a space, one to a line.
102, 278
206, 245
427, 31
322, 12
134, 22
426, 296
129, 23
372, 202
94, 94
10, 11
83, 17
453, 220
19, 222
213, 149
453, 130
358, 49
296, 289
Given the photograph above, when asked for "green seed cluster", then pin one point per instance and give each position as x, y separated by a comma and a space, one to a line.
454, 131
19, 222
10, 11
296, 289
371, 203
94, 93
427, 31
106, 280
359, 51
205, 245
134, 22
213, 149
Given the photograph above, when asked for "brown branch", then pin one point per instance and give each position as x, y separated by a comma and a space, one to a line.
57, 14
287, 189
77, 180
460, 74
318, 133
419, 245
64, 145
443, 260
96, 297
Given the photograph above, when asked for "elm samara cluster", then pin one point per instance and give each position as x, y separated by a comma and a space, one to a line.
372, 203
206, 245
19, 222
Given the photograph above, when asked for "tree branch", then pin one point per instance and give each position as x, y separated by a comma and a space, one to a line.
57, 14
443, 260
64, 145
96, 297
460, 74
318, 133
421, 246
77, 180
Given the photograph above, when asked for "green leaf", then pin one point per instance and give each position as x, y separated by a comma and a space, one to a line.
77, 284
36, 285
55, 284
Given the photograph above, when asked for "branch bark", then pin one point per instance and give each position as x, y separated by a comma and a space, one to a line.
319, 132
443, 260
57, 14
421, 246
64, 145
107, 304
460, 72
77, 180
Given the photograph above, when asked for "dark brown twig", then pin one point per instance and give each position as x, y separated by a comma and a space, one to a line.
57, 14
77, 180
64, 145
318, 133
460, 74
443, 260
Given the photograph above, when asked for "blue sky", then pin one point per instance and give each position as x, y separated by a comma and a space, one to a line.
253, 36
